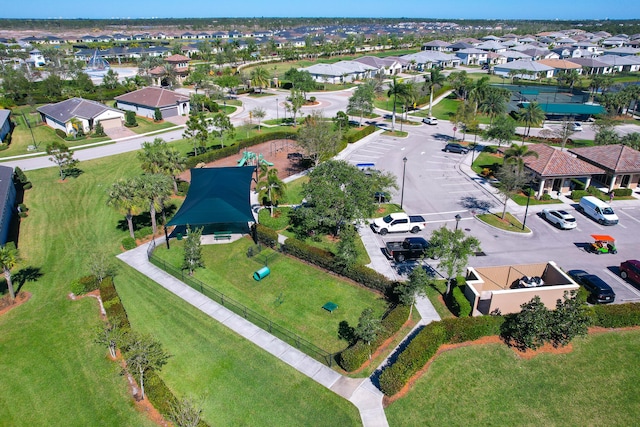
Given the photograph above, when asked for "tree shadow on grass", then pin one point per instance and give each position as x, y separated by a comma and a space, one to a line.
73, 172
144, 219
27, 274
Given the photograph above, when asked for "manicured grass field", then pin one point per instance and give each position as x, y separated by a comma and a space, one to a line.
148, 125
292, 295
509, 223
489, 385
240, 383
52, 372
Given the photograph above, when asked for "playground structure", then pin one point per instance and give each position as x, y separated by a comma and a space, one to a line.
97, 66
252, 159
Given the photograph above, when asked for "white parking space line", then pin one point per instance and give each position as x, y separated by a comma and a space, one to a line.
622, 281
629, 216
444, 213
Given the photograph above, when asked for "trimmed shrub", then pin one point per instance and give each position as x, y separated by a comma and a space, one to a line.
622, 192
472, 328
546, 197
129, 243
457, 303
616, 315
357, 136
183, 188
89, 283
62, 134
266, 236
158, 393
578, 194
489, 149
77, 288
22, 207
112, 304
143, 232
311, 254
355, 356
422, 348
130, 119
157, 115
368, 277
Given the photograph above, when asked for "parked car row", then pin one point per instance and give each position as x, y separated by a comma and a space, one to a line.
600, 292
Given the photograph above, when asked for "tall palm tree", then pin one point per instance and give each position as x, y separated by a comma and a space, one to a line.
494, 104
517, 155
154, 189
435, 78
8, 260
532, 114
272, 187
124, 196
478, 92
160, 157
396, 90
260, 77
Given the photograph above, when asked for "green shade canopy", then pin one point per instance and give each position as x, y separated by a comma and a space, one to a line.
217, 195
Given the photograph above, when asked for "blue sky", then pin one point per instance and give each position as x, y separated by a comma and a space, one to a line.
442, 9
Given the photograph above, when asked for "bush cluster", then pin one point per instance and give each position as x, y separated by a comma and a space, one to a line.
62, 134
211, 156
457, 303
622, 192
355, 356
426, 343
266, 236
84, 284
129, 243
616, 315
142, 233
357, 136
156, 390
578, 194
183, 188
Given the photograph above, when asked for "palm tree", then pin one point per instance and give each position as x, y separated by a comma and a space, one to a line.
495, 103
478, 92
433, 79
124, 196
273, 187
517, 155
159, 157
151, 155
532, 114
154, 189
260, 77
8, 260
397, 90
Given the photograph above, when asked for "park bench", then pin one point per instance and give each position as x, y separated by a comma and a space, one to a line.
221, 235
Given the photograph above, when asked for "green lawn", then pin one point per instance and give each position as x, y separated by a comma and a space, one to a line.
490, 385
148, 125
292, 295
52, 372
486, 160
509, 223
241, 384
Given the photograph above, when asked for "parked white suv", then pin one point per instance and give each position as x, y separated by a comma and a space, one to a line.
430, 121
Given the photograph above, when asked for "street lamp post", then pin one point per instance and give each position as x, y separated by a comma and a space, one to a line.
526, 210
458, 218
277, 110
404, 170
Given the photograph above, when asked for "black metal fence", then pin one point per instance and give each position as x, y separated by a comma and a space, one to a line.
260, 321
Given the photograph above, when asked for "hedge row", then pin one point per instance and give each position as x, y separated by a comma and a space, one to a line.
211, 156
355, 356
426, 343
616, 315
457, 303
622, 192
457, 330
160, 396
325, 259
357, 136
266, 236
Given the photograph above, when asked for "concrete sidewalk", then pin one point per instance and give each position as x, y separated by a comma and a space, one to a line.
361, 392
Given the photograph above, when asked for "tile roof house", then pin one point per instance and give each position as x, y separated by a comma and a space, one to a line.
628, 64
144, 102
594, 65
69, 114
554, 169
561, 65
621, 164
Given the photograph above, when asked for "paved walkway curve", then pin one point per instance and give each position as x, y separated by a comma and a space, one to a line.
359, 391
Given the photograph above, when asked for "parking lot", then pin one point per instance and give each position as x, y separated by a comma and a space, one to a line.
439, 187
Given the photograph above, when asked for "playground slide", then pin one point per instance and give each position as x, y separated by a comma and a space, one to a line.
242, 161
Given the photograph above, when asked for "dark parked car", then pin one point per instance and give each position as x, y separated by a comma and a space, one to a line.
630, 269
409, 248
600, 291
453, 147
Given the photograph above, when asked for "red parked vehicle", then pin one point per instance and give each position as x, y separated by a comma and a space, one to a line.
630, 269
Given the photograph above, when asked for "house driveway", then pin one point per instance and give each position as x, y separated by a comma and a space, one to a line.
118, 133
177, 120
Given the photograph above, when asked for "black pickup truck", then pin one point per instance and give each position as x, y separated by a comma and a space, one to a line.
409, 248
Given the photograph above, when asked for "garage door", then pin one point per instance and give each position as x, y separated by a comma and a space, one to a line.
111, 123
170, 112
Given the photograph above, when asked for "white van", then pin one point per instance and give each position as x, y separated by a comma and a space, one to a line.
598, 210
